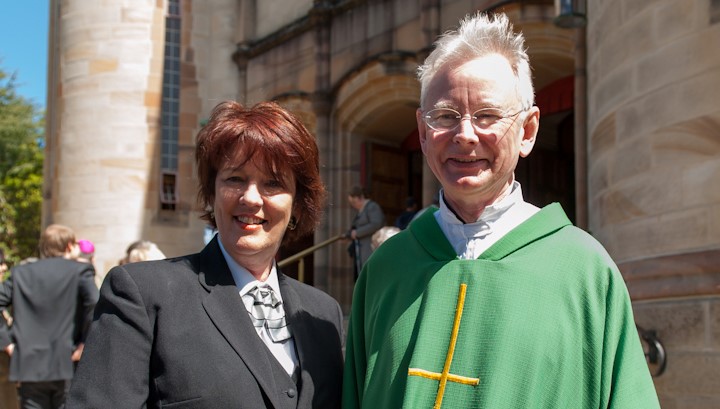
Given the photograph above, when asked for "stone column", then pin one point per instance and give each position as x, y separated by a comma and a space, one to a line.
654, 165
581, 146
320, 16
105, 89
430, 22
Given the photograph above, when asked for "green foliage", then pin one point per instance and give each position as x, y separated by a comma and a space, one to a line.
21, 172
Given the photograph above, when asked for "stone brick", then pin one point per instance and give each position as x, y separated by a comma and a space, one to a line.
452, 12
714, 324
135, 14
679, 231
683, 58
700, 183
687, 143
631, 158
690, 373
80, 87
714, 222
127, 98
631, 9
645, 195
606, 21
684, 230
617, 206
675, 19
688, 402
680, 325
74, 70
123, 81
603, 136
692, 98
407, 37
83, 51
152, 99
273, 14
609, 94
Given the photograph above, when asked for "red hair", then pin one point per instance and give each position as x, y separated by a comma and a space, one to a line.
272, 135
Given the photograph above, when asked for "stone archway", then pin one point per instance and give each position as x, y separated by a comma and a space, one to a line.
375, 113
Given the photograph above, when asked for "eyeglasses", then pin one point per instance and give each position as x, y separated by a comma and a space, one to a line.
446, 119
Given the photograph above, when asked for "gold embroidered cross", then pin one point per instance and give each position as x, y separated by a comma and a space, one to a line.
445, 375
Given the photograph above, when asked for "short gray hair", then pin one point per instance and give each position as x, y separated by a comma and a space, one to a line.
479, 35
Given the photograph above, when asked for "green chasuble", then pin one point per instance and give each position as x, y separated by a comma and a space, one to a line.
542, 319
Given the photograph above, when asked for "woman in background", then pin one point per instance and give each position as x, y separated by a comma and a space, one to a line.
142, 250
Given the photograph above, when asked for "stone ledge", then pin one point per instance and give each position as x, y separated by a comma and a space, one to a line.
682, 275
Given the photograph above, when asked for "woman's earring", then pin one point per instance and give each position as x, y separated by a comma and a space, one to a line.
292, 225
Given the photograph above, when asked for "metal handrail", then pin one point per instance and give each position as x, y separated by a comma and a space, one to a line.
299, 257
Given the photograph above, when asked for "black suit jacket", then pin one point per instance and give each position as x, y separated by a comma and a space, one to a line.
175, 333
52, 302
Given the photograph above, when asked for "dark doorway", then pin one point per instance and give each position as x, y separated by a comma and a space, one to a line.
387, 178
548, 174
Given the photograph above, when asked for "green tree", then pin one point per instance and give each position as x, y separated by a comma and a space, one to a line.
21, 162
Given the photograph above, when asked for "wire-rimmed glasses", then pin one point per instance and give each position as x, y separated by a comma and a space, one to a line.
446, 119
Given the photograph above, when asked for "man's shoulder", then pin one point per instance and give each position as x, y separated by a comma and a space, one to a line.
160, 271
570, 241
54, 263
373, 205
403, 247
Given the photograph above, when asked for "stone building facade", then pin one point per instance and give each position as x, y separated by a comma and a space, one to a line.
628, 141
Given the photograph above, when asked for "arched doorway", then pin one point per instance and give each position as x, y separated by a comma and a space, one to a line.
376, 120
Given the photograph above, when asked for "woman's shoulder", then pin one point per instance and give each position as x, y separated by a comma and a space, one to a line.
160, 271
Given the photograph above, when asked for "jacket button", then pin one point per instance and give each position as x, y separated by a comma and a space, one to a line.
291, 393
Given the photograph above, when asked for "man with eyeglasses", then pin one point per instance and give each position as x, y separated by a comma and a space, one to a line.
489, 301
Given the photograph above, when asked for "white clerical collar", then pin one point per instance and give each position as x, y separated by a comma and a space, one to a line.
244, 280
490, 214
470, 240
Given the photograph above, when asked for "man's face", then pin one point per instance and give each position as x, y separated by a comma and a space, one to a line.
475, 164
355, 202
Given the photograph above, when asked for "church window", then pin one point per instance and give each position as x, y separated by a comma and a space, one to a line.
170, 109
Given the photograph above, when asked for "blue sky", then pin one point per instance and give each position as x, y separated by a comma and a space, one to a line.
24, 45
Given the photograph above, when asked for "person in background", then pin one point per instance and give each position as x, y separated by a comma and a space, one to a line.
383, 234
225, 328
52, 301
3, 263
368, 219
489, 302
142, 250
407, 215
86, 251
6, 319
8, 393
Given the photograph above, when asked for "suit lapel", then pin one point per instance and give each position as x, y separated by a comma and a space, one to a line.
296, 315
226, 310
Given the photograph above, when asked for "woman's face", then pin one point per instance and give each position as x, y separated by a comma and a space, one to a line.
252, 210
